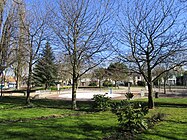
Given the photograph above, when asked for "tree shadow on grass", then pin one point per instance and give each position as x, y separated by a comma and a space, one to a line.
164, 104
161, 136
47, 103
177, 105
13, 100
72, 128
179, 122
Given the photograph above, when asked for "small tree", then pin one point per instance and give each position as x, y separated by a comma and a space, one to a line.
99, 74
45, 70
130, 116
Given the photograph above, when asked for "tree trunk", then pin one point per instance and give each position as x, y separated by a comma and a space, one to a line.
164, 85
115, 84
18, 71
17, 79
74, 91
134, 81
159, 85
150, 96
99, 83
2, 85
150, 86
46, 86
29, 84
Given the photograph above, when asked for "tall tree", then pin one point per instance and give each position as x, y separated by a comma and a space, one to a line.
36, 35
7, 28
82, 31
154, 33
7, 32
45, 71
20, 64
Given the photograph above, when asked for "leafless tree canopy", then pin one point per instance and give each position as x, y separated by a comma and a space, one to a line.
34, 27
82, 34
7, 31
154, 33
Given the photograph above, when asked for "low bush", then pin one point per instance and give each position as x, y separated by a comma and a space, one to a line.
107, 83
141, 83
101, 102
93, 84
129, 95
130, 116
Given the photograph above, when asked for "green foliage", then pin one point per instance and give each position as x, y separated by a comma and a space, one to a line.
117, 71
99, 73
129, 95
130, 116
101, 102
141, 83
107, 83
45, 71
93, 84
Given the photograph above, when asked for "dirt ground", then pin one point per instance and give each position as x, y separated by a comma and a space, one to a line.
122, 90
137, 91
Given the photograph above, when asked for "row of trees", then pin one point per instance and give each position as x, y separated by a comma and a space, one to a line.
147, 35
22, 35
115, 71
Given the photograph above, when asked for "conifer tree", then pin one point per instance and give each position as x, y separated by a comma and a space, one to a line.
45, 69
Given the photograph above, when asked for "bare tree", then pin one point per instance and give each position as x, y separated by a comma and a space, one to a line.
153, 33
81, 27
63, 68
21, 63
34, 25
7, 28
7, 31
164, 77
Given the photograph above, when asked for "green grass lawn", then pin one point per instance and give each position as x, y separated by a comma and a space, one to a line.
89, 126
50, 119
174, 126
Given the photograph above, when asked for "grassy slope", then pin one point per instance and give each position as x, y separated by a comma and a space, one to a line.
80, 125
